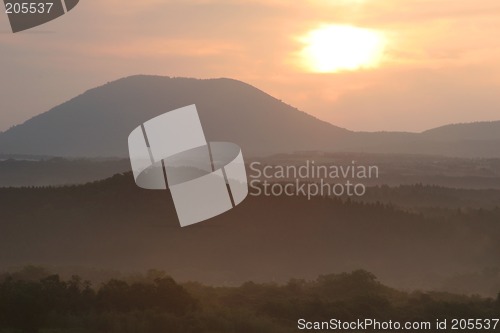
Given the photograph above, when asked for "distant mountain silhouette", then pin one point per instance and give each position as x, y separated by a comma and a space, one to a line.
98, 122
480, 131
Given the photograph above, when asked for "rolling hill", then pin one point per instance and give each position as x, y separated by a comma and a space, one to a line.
115, 225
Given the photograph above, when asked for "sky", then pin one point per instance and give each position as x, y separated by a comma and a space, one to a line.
439, 62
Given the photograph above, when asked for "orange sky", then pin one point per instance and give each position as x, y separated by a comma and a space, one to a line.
441, 63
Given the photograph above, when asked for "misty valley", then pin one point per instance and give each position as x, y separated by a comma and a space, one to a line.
421, 241
73, 249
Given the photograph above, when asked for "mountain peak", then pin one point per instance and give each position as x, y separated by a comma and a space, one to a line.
98, 122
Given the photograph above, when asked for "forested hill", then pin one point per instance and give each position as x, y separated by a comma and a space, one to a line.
113, 224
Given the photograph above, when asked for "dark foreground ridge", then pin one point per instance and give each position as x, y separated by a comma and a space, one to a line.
33, 300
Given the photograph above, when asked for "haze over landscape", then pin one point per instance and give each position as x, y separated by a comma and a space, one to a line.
406, 88
330, 235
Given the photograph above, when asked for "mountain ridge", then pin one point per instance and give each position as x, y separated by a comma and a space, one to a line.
97, 123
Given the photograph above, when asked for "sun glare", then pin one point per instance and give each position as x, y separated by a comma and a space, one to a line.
335, 48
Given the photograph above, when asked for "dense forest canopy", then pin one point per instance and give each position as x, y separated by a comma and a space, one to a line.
33, 300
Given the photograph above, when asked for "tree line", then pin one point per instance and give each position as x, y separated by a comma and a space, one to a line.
157, 303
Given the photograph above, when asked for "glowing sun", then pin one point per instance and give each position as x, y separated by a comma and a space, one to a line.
335, 48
